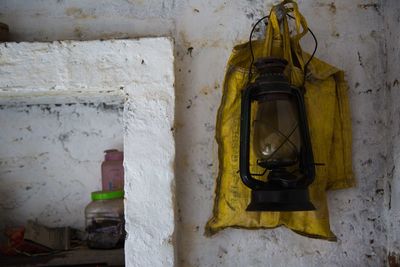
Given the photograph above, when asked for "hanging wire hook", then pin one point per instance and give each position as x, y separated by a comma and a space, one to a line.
251, 45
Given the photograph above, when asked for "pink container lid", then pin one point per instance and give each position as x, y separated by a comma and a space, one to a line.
114, 154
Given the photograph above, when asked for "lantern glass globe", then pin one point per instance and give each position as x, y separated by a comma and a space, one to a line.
276, 135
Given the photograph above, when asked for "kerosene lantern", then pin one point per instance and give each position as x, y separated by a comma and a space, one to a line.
274, 125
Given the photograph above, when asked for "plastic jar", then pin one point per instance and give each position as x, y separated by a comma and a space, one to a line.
105, 220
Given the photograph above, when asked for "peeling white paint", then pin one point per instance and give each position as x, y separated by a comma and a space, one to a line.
50, 160
392, 86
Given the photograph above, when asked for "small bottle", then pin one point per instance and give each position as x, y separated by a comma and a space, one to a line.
112, 170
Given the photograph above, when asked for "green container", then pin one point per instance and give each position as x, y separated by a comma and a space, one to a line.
106, 195
105, 220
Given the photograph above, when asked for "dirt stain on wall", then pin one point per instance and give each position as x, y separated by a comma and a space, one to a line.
78, 13
332, 7
375, 6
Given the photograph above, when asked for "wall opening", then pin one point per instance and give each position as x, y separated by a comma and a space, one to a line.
50, 158
63, 104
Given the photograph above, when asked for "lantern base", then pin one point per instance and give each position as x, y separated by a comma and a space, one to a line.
280, 200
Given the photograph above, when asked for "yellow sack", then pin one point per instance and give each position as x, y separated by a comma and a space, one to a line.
328, 114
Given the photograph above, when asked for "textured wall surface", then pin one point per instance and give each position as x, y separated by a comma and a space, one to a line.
351, 36
51, 153
50, 157
392, 203
150, 156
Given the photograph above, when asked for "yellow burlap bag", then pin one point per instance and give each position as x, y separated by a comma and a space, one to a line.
329, 124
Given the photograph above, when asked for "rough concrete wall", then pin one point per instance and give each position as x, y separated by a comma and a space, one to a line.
51, 153
392, 20
150, 157
50, 160
350, 35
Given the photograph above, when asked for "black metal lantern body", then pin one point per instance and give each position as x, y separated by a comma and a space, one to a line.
280, 140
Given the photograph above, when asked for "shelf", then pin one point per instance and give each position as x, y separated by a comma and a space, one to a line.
81, 256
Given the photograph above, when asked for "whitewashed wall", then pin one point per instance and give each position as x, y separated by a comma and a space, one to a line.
351, 36
392, 203
50, 160
51, 150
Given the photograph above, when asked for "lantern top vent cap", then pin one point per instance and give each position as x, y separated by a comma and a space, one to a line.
270, 65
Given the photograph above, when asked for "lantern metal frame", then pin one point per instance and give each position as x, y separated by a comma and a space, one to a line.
282, 191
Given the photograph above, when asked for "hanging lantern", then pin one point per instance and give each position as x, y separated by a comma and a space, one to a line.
274, 127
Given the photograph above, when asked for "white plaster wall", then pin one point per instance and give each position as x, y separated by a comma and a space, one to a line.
392, 20
47, 149
150, 157
351, 36
50, 160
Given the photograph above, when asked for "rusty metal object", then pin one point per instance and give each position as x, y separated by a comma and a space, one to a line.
4, 32
394, 259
